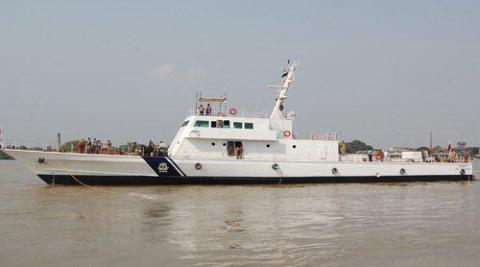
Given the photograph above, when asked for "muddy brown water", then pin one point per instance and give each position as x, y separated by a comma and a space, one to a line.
407, 224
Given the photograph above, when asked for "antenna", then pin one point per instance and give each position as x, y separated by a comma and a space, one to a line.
288, 76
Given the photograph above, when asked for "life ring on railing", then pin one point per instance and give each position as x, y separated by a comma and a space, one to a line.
287, 134
232, 111
198, 166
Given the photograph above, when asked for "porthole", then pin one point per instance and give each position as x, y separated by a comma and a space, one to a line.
224, 144
268, 145
294, 146
213, 144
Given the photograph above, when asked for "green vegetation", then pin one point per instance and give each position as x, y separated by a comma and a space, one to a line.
423, 148
357, 145
69, 146
4, 156
474, 151
132, 147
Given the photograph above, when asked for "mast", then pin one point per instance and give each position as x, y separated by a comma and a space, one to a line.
288, 77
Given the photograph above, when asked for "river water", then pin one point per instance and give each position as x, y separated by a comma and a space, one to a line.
407, 224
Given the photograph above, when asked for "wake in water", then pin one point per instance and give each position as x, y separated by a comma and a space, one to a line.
144, 196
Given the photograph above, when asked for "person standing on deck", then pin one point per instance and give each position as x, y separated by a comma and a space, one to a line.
201, 110
239, 151
81, 146
370, 155
150, 148
162, 149
452, 155
209, 110
88, 148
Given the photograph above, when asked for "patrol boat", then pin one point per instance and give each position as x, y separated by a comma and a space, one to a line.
228, 146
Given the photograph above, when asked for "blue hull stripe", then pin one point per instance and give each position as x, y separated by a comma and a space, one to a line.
176, 166
162, 166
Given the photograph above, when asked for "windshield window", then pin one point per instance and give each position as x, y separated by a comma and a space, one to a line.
226, 124
201, 124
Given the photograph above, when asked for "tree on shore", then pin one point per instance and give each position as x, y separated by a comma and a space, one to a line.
69, 146
475, 151
357, 145
423, 148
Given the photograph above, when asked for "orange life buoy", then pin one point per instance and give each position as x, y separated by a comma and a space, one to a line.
232, 111
287, 134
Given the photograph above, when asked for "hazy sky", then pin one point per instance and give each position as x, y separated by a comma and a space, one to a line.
386, 72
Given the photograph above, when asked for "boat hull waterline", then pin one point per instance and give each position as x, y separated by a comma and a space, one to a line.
75, 168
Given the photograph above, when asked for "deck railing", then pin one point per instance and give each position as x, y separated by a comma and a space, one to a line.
243, 113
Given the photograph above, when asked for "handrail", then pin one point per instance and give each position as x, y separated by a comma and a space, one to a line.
243, 113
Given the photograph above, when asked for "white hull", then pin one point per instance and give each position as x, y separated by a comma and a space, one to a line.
68, 167
244, 168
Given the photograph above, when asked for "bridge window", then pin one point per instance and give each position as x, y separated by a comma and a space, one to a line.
226, 124
248, 125
237, 125
201, 124
185, 123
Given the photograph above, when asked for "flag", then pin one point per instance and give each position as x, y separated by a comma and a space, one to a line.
1, 138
